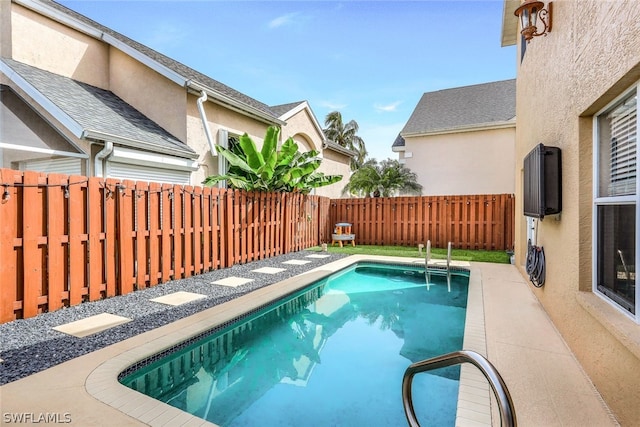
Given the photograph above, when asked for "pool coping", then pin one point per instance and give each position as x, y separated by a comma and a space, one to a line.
474, 402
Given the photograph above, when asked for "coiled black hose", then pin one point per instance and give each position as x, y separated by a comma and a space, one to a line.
535, 264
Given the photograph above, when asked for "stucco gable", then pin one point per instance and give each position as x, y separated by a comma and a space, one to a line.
96, 110
482, 105
282, 109
182, 72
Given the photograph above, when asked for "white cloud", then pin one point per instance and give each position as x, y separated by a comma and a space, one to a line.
283, 20
333, 106
387, 108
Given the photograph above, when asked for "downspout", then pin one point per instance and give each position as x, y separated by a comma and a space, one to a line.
102, 154
205, 123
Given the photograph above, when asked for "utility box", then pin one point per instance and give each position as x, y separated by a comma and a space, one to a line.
542, 182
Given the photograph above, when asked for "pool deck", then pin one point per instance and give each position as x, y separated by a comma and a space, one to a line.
547, 384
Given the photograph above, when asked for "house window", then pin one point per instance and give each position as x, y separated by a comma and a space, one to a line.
616, 202
231, 142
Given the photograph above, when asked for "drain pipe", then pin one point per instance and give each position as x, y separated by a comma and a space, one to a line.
205, 123
102, 154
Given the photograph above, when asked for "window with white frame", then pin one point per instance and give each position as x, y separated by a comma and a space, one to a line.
231, 142
616, 202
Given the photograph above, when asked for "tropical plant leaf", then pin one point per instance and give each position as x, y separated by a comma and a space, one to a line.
269, 151
253, 156
271, 170
233, 159
287, 152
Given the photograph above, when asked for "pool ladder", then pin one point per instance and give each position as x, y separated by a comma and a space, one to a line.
427, 260
505, 404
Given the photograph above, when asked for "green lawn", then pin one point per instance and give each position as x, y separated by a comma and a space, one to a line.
457, 254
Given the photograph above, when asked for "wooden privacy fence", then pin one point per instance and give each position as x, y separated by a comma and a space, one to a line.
68, 239
469, 222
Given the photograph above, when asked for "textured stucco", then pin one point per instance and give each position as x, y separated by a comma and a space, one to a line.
591, 56
48, 45
300, 126
148, 92
477, 162
42, 42
334, 163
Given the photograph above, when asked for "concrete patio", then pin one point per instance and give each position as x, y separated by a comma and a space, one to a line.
547, 384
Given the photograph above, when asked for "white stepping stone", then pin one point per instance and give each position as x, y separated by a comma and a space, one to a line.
178, 298
297, 262
269, 270
232, 281
92, 325
317, 256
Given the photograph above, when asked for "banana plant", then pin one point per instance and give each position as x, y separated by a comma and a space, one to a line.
286, 170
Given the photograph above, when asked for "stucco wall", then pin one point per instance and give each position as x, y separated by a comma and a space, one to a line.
334, 163
301, 124
153, 95
218, 118
591, 56
48, 45
479, 162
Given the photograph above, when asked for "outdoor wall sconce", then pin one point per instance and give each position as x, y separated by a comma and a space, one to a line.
528, 12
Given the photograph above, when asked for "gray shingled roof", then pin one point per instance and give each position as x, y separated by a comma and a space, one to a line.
181, 69
399, 142
98, 110
462, 107
279, 110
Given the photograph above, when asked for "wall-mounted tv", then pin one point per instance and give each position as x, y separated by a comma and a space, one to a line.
542, 182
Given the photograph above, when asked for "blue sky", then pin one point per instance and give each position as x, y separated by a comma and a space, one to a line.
372, 61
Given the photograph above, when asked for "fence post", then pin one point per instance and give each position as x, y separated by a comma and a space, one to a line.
125, 238
154, 233
96, 252
110, 218
56, 261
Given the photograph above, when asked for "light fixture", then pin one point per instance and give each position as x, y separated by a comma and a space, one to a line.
528, 12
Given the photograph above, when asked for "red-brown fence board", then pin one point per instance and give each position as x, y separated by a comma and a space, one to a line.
66, 239
96, 252
469, 222
125, 195
110, 237
56, 241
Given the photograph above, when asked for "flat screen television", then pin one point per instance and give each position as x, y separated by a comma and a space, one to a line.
542, 182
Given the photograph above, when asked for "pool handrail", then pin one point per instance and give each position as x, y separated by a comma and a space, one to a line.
499, 387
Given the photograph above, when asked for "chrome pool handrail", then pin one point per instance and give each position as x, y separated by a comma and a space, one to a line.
499, 387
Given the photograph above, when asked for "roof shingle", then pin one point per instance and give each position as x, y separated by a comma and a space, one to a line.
181, 69
97, 109
463, 107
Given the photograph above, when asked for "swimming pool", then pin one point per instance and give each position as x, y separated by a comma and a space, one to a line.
331, 354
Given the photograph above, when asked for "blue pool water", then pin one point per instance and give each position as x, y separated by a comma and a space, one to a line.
332, 354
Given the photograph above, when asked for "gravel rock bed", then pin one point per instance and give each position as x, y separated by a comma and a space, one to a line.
31, 345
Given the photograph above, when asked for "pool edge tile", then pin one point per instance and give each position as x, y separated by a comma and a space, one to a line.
161, 413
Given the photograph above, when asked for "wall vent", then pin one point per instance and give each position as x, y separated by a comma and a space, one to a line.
542, 182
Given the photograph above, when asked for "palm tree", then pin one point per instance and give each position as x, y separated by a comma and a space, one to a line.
389, 178
346, 136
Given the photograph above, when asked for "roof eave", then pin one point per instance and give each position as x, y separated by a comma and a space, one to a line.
509, 33
304, 104
339, 149
232, 104
56, 112
134, 143
148, 61
461, 129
